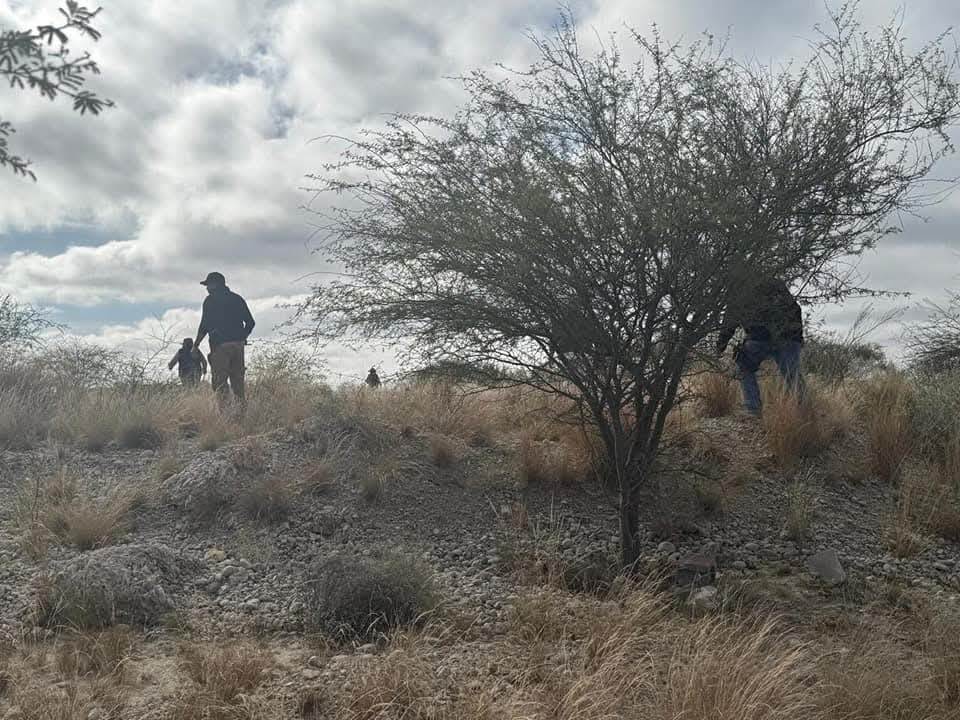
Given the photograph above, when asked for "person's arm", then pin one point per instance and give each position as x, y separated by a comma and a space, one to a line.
203, 363
173, 362
204, 324
248, 322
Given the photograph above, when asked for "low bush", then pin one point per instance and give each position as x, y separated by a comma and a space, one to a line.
351, 598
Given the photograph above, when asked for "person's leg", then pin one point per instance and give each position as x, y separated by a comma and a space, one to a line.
220, 374
787, 357
749, 358
237, 371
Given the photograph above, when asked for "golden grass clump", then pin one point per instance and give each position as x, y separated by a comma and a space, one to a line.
443, 452
791, 425
886, 407
565, 461
717, 394
103, 653
224, 679
62, 508
724, 669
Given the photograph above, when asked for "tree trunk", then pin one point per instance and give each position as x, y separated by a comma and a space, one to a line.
629, 525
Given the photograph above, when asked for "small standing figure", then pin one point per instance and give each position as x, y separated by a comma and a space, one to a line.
190, 362
373, 380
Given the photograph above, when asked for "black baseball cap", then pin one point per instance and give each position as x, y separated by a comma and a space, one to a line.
214, 278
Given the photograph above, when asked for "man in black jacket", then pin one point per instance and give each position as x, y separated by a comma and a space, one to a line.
228, 322
773, 323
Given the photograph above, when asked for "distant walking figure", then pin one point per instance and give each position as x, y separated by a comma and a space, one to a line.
228, 322
373, 380
190, 363
773, 323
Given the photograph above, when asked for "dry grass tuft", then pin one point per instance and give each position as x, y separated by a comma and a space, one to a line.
443, 452
352, 597
403, 688
320, 478
717, 394
225, 672
792, 425
225, 680
97, 653
65, 701
903, 537
553, 462
886, 407
873, 681
60, 508
250, 455
801, 502
268, 499
723, 669
167, 466
88, 524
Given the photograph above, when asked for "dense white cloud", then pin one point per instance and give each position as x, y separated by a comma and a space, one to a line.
217, 101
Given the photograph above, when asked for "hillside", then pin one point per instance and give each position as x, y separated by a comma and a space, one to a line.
201, 577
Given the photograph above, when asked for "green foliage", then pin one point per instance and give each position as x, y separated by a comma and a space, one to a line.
39, 59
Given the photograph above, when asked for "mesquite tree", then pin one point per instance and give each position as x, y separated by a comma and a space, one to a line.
934, 344
585, 222
39, 59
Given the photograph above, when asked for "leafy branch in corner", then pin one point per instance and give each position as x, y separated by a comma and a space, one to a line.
40, 59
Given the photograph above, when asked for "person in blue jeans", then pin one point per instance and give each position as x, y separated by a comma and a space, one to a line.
773, 323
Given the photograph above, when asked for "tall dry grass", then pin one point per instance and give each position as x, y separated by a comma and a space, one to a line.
717, 394
886, 407
66, 509
798, 426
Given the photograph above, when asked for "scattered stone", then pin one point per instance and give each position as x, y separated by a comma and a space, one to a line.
705, 599
666, 548
826, 566
215, 555
696, 570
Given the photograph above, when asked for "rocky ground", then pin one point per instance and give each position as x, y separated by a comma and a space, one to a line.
359, 491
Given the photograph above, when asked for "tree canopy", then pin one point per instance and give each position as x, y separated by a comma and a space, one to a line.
40, 59
587, 220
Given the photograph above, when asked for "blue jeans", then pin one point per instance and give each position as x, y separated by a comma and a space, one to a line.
751, 356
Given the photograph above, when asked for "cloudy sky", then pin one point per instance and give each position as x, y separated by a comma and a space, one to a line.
200, 164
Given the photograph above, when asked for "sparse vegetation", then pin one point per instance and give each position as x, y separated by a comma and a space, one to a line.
793, 427
62, 508
717, 394
267, 499
350, 597
801, 502
887, 402
442, 451
103, 653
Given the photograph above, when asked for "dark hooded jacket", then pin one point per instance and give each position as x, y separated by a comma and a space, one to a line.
226, 318
768, 313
